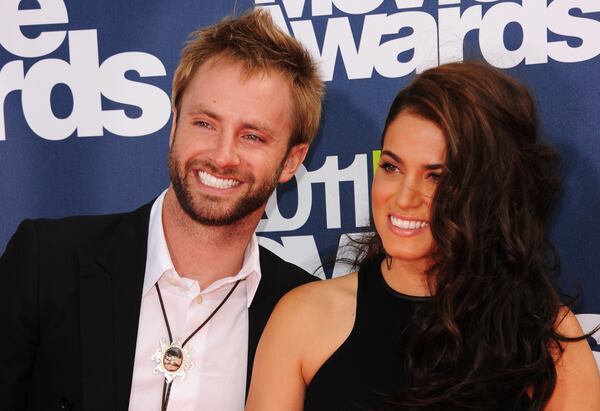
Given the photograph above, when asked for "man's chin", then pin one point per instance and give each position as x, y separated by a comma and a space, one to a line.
217, 213
215, 220
209, 213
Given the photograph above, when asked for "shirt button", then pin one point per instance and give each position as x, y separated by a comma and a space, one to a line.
173, 281
198, 300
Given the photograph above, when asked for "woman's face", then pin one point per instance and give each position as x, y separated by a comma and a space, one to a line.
412, 160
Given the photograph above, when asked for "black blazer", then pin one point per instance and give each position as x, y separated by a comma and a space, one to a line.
69, 307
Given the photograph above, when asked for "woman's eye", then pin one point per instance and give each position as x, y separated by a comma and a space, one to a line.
388, 167
434, 176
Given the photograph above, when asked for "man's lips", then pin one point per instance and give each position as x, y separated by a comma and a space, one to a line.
210, 180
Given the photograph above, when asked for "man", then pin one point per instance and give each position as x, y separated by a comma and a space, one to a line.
163, 307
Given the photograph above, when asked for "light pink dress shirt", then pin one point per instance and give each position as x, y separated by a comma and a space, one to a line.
217, 379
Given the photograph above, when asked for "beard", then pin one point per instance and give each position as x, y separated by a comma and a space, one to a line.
212, 210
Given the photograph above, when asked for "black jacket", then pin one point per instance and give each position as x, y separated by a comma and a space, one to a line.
69, 307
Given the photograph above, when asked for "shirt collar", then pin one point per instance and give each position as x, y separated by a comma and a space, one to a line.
158, 259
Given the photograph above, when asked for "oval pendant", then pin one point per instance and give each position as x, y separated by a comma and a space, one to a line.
173, 359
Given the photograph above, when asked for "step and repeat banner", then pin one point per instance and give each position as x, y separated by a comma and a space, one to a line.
84, 98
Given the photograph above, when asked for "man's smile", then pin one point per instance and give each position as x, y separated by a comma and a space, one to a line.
216, 182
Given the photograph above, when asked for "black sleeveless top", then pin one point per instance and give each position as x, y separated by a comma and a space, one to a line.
368, 368
364, 372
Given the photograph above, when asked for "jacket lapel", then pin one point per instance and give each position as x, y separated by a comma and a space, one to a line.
255, 326
255, 321
264, 300
277, 278
110, 297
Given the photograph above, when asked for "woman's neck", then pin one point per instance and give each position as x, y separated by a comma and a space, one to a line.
407, 277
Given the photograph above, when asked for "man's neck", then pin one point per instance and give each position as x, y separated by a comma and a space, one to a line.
205, 253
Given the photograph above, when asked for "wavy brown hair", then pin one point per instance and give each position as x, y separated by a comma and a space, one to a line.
487, 339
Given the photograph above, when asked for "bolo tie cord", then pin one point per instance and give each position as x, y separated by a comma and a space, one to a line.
166, 391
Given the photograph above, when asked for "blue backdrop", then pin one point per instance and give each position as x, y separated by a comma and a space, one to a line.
84, 92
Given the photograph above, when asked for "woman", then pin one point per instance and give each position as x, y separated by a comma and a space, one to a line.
453, 307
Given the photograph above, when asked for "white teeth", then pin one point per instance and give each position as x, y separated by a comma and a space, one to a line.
212, 181
407, 224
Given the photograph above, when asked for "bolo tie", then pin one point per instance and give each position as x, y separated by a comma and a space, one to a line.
173, 358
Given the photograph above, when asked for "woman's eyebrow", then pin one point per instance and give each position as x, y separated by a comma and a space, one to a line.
392, 155
396, 158
433, 166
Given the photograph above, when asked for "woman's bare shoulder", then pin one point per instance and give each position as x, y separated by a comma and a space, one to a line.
321, 309
577, 378
319, 296
306, 325
316, 319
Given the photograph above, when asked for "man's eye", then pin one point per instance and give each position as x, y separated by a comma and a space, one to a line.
203, 124
253, 137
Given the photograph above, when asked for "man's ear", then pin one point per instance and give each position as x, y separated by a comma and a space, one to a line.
294, 158
173, 127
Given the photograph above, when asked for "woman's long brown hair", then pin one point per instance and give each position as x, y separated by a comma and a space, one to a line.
487, 340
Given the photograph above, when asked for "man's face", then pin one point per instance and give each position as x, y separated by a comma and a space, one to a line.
229, 144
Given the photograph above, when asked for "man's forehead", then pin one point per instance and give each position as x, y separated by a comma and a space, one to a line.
220, 63
196, 100
247, 68
212, 71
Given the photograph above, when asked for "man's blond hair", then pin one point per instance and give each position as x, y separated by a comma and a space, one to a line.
253, 40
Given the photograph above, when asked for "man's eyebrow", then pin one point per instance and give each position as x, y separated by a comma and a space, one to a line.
199, 109
252, 125
261, 127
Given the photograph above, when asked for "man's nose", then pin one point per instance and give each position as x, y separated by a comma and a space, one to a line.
225, 152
